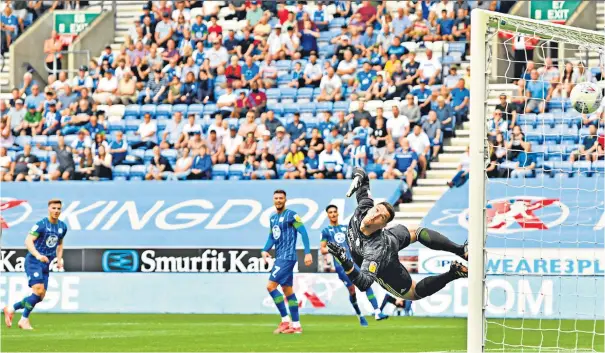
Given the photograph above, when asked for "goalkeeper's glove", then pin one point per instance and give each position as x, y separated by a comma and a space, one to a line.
359, 177
340, 254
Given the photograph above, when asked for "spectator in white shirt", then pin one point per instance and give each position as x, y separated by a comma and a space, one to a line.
268, 72
347, 68
398, 125
496, 125
147, 131
82, 80
430, 69
181, 10
331, 87
190, 129
420, 143
106, 89
231, 143
218, 57
330, 163
312, 73
226, 102
274, 42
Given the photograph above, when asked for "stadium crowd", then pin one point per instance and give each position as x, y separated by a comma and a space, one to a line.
256, 90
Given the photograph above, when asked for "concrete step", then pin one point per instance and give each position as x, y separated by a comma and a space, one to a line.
454, 149
463, 133
466, 125
429, 190
459, 141
449, 157
427, 197
415, 206
444, 165
410, 214
432, 182
440, 174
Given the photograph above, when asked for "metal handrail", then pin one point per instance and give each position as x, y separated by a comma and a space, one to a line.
54, 69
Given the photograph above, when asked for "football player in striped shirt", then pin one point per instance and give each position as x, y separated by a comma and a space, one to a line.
336, 233
284, 227
44, 243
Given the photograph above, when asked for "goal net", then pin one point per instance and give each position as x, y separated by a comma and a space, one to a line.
537, 184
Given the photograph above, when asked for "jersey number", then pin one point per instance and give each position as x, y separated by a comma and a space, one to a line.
275, 271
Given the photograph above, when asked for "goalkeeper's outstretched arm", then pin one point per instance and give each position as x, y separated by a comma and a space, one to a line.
361, 187
363, 278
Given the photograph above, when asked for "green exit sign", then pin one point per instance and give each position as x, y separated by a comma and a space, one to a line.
73, 22
553, 11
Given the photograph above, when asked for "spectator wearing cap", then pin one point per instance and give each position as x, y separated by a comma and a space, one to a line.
51, 121
16, 116
147, 13
254, 13
275, 42
330, 164
312, 74
343, 46
106, 89
308, 39
32, 121
155, 89
231, 143
148, 132
331, 87
280, 144
419, 142
164, 30
82, 80
451, 80
334, 137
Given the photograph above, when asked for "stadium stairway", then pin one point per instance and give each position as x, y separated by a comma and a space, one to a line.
431, 188
5, 85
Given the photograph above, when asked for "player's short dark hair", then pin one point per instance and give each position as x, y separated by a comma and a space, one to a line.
279, 191
54, 201
390, 209
331, 206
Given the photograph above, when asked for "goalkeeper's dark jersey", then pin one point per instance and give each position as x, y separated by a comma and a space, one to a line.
377, 254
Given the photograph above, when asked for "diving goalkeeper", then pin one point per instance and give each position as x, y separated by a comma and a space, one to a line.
374, 248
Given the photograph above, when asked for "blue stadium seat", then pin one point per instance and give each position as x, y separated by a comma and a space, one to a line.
281, 170
210, 109
305, 94
342, 106
456, 47
535, 137
182, 108
131, 125
557, 153
162, 123
448, 60
41, 154
121, 171
583, 167
311, 123
337, 23
132, 110
220, 171
562, 167
138, 172
569, 135
283, 80
236, 172
283, 65
197, 109
149, 109
276, 108
327, 51
526, 119
556, 103
171, 155
545, 119
39, 140
131, 138
53, 140
307, 108
163, 111
116, 125
288, 93
23, 140
148, 156
138, 153
325, 36
273, 93
599, 166
69, 139
551, 135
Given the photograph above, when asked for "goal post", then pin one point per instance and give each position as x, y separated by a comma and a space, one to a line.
485, 26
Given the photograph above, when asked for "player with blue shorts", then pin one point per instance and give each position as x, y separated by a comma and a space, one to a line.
336, 233
283, 229
44, 243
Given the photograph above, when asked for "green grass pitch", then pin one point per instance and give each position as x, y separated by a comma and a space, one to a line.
188, 333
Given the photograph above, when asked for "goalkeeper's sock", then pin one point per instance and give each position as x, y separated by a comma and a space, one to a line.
372, 299
17, 306
29, 303
278, 299
293, 306
431, 285
437, 241
353, 299
387, 299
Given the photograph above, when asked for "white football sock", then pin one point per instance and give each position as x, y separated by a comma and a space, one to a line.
285, 319
296, 324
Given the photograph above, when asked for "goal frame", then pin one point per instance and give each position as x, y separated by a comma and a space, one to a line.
481, 20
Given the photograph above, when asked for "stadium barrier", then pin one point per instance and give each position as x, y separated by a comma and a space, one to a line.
511, 296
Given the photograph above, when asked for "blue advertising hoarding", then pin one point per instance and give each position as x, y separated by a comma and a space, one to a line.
229, 214
509, 296
529, 213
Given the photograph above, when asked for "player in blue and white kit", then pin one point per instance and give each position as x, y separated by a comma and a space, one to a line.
336, 233
283, 229
44, 243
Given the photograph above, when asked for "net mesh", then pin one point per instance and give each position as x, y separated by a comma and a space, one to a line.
545, 193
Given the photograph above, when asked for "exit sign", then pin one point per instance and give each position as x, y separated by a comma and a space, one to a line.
553, 11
